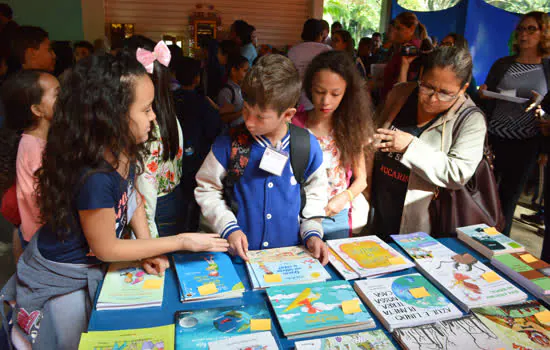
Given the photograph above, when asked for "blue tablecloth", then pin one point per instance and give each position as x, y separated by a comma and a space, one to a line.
153, 317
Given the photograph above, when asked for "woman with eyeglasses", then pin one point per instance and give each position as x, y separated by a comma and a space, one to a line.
513, 132
419, 149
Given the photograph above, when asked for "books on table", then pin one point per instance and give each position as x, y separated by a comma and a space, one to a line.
204, 276
340, 265
318, 309
518, 326
368, 256
464, 279
467, 333
405, 301
527, 271
128, 286
253, 341
488, 241
282, 266
144, 338
372, 340
196, 329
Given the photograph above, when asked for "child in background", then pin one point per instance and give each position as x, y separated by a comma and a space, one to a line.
87, 198
33, 49
30, 97
162, 174
264, 210
201, 124
342, 122
82, 49
230, 98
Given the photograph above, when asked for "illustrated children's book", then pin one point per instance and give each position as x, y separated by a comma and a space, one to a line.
421, 245
369, 256
342, 267
526, 270
253, 341
157, 338
128, 286
468, 282
195, 329
520, 326
207, 276
319, 308
282, 266
487, 240
467, 333
371, 340
405, 301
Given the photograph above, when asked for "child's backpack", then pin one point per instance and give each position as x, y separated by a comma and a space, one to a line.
232, 90
241, 142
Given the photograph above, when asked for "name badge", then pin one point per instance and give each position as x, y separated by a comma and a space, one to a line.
273, 161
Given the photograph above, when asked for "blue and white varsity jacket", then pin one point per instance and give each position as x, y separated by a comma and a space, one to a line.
269, 205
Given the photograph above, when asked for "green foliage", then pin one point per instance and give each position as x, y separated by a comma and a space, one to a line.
359, 17
427, 5
521, 6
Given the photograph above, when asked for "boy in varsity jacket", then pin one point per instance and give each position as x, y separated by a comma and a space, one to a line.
264, 209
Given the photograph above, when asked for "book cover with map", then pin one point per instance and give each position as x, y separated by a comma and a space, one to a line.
518, 325
282, 266
316, 309
369, 256
468, 282
128, 286
156, 338
371, 340
526, 270
195, 329
467, 333
396, 302
487, 241
199, 269
421, 245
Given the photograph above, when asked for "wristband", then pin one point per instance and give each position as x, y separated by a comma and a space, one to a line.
350, 194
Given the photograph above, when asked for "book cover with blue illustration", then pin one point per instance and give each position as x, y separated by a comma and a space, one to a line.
199, 269
195, 329
282, 266
371, 340
420, 245
396, 302
317, 309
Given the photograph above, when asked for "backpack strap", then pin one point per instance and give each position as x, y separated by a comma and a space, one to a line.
227, 85
299, 158
241, 141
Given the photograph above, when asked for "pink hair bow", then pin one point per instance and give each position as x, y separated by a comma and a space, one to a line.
147, 58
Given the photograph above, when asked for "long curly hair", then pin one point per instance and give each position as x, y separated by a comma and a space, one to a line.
163, 105
352, 121
19, 93
91, 117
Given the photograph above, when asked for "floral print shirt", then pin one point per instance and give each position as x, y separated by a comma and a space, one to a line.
159, 177
336, 173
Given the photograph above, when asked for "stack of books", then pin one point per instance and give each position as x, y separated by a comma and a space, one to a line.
466, 333
253, 341
488, 241
128, 286
372, 340
207, 276
526, 270
467, 281
143, 338
405, 301
283, 266
197, 329
518, 326
367, 256
312, 310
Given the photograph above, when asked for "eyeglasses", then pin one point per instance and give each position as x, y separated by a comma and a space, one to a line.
528, 29
430, 91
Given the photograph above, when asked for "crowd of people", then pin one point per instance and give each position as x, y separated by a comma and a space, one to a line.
133, 153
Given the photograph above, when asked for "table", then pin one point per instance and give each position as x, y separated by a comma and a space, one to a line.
153, 317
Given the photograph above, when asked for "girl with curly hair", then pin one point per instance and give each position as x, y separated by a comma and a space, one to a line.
87, 199
342, 122
29, 98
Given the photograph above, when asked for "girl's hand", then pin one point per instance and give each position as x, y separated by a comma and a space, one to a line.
238, 244
318, 249
336, 204
392, 140
202, 242
481, 95
407, 60
156, 265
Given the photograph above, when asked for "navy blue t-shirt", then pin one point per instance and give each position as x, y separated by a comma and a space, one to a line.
99, 190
